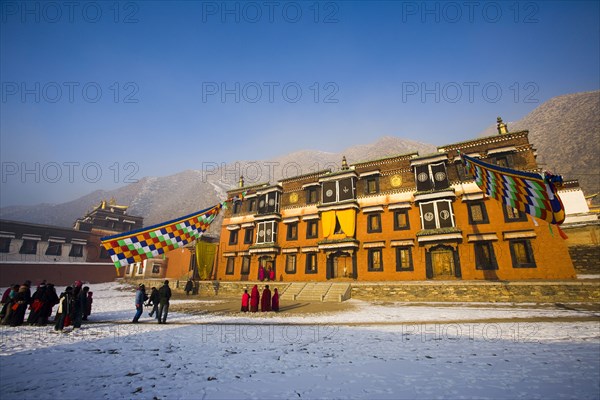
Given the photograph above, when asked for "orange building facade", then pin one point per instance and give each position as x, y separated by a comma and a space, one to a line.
406, 217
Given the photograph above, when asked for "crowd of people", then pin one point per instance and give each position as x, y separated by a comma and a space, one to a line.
158, 299
267, 274
74, 305
267, 301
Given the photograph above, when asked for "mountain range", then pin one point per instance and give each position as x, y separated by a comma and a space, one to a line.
564, 130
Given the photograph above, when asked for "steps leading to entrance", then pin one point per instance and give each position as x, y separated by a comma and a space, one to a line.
330, 292
292, 290
338, 292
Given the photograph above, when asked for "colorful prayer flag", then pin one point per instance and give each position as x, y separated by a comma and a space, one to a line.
529, 192
135, 246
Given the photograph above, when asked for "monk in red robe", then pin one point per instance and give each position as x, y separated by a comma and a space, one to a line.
275, 301
265, 304
254, 298
245, 301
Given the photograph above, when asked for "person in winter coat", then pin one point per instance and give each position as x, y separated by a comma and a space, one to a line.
265, 303
245, 301
140, 298
49, 300
154, 301
275, 300
37, 302
22, 300
65, 308
9, 304
79, 304
6, 300
88, 304
164, 295
189, 286
254, 299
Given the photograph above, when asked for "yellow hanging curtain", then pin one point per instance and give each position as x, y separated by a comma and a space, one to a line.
205, 256
347, 220
328, 222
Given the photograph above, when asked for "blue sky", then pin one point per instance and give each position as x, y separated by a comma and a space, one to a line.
154, 88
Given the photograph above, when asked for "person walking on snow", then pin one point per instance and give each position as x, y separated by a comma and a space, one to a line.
140, 297
164, 294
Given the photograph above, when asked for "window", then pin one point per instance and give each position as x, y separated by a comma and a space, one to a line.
290, 264
28, 247
401, 221
245, 265
155, 269
484, 256
230, 265
437, 214
237, 206
140, 268
311, 263
312, 195
431, 177
404, 259
54, 249
76, 250
463, 173
251, 205
128, 269
334, 191
374, 223
522, 254
477, 213
267, 232
372, 185
233, 237
511, 214
248, 235
501, 161
292, 231
4, 245
375, 261
312, 229
268, 203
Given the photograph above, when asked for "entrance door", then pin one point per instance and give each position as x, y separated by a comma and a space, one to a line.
442, 263
341, 265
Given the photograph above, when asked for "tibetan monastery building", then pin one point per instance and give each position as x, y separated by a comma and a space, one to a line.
406, 217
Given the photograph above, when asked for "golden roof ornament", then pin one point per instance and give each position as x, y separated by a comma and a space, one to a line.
502, 127
241, 181
344, 164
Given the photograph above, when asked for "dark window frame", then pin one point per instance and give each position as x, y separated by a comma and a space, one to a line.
370, 266
290, 226
521, 218
246, 261
309, 257
248, 235
289, 257
484, 214
370, 217
5, 244
312, 195
230, 266
372, 179
528, 251
237, 207
398, 227
399, 267
74, 253
251, 205
482, 264
309, 224
233, 237
28, 249
54, 249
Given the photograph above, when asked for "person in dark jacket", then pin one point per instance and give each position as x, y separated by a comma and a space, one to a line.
79, 302
65, 307
88, 303
49, 300
37, 302
265, 300
154, 301
9, 305
22, 300
6, 300
189, 286
140, 298
164, 295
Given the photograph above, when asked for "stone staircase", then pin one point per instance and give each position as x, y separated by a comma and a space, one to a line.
292, 290
338, 292
323, 291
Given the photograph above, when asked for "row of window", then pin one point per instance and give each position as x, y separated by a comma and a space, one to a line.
485, 259
434, 215
30, 247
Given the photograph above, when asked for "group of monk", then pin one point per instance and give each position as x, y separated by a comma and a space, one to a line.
267, 302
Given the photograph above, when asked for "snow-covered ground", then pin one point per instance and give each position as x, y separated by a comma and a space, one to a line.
375, 351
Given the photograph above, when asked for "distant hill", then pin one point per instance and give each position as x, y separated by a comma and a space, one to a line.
159, 199
565, 130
